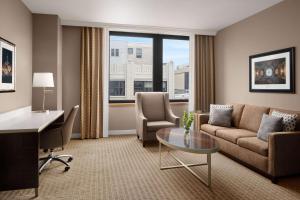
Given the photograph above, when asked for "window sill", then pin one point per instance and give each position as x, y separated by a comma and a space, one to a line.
124, 103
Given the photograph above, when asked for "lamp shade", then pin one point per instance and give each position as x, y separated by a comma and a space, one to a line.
43, 80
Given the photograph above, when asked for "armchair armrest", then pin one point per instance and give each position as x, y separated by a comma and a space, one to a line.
284, 153
141, 125
201, 118
171, 117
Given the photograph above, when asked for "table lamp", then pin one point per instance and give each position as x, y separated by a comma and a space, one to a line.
43, 80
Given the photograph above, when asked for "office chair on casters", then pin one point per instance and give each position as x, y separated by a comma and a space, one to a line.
57, 137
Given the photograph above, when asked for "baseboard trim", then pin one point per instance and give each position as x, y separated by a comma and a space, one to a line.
122, 132
75, 136
111, 132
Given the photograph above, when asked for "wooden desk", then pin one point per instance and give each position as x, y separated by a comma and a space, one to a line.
19, 147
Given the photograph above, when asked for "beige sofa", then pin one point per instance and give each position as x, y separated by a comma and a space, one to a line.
153, 112
278, 157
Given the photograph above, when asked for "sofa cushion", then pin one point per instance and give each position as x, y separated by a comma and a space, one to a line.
212, 107
251, 117
233, 134
153, 106
254, 144
289, 112
221, 117
289, 121
211, 129
269, 124
154, 126
237, 114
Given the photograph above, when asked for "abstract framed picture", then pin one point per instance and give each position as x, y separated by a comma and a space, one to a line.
7, 66
273, 71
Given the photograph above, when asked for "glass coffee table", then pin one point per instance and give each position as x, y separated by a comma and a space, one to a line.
193, 142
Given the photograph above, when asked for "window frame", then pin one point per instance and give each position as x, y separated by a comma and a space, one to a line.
157, 72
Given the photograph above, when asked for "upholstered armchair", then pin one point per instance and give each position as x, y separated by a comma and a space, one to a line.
153, 112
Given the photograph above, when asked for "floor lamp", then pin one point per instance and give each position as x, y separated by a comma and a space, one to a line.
43, 80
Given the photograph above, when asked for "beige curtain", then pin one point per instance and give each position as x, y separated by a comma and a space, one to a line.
91, 83
204, 72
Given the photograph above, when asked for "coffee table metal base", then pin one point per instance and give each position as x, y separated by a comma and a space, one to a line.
187, 166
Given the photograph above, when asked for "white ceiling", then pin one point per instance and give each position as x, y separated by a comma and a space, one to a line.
206, 15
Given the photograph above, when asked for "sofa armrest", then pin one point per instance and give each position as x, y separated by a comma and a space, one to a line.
284, 153
201, 118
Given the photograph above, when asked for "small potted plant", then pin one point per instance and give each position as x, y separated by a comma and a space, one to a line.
188, 119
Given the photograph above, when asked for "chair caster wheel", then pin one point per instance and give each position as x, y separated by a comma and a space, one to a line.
70, 159
67, 169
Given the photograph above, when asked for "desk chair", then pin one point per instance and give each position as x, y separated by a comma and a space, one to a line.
58, 136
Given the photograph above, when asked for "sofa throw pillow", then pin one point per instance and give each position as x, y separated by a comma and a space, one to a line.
212, 107
221, 117
268, 125
289, 121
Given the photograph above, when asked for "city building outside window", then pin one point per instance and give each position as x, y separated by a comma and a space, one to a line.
130, 51
112, 52
135, 67
117, 88
165, 86
142, 86
139, 52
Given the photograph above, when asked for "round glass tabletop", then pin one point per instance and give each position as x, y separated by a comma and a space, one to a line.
194, 141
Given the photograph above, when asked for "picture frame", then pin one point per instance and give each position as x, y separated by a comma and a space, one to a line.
7, 66
273, 71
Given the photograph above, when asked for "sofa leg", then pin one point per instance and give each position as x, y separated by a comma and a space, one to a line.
144, 144
274, 180
138, 137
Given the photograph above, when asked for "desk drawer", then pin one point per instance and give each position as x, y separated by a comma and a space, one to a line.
19, 160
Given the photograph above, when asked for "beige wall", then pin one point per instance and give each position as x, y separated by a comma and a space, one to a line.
71, 71
122, 116
16, 27
275, 28
46, 58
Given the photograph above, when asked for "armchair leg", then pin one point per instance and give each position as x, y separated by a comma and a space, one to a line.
144, 144
138, 137
274, 180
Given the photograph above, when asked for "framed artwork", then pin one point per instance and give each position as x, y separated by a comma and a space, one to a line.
273, 71
7, 66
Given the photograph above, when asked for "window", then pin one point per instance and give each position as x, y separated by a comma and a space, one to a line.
148, 62
130, 51
139, 52
176, 67
142, 86
165, 86
112, 52
117, 88
137, 73
186, 81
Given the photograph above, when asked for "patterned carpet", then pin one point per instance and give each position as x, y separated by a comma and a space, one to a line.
120, 168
